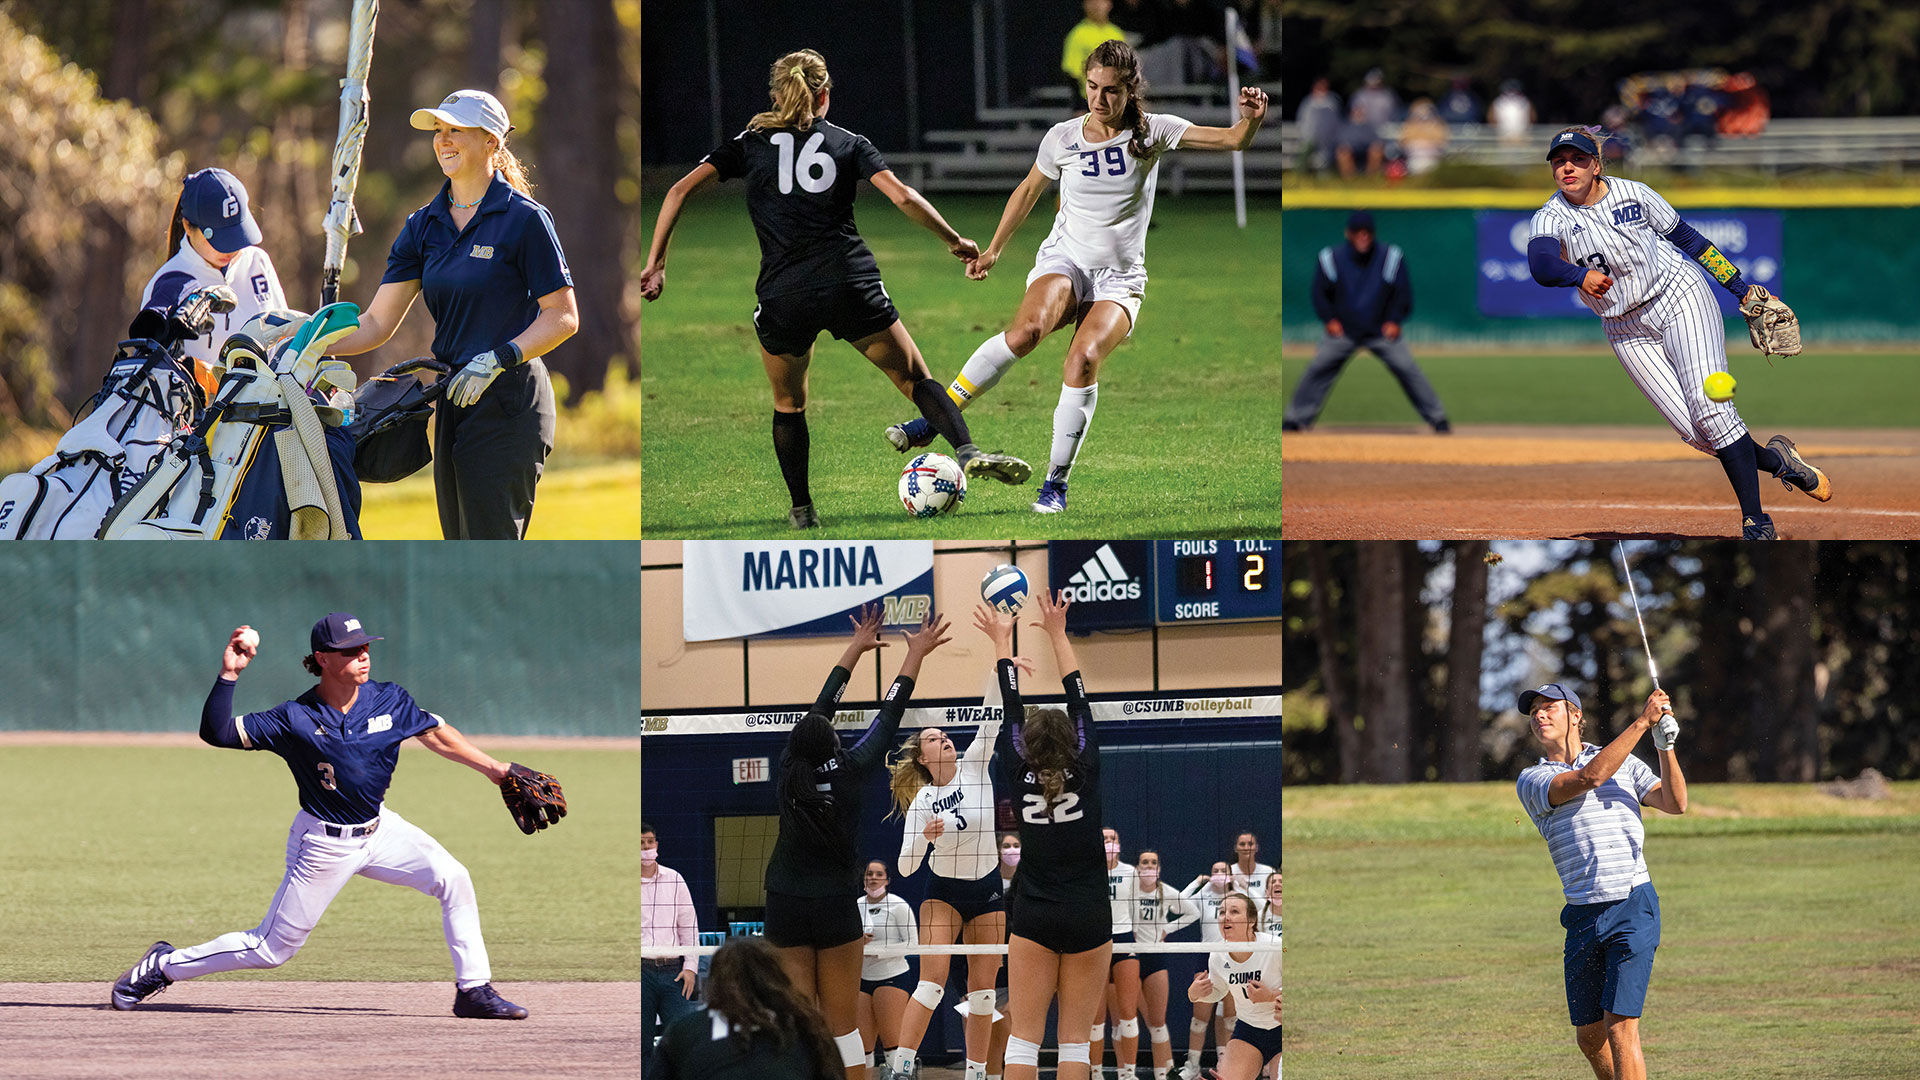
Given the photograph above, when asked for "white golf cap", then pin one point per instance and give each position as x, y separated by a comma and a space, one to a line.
467, 109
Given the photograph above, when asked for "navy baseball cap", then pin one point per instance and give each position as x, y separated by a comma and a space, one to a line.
214, 201
1579, 140
1358, 220
338, 631
1552, 691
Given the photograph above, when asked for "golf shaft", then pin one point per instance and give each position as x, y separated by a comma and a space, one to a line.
1626, 570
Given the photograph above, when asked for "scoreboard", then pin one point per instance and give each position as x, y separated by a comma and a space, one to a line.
1132, 584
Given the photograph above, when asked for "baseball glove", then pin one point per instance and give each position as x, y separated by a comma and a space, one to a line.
533, 798
1771, 324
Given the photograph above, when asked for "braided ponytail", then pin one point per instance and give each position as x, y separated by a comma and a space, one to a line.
794, 83
1118, 57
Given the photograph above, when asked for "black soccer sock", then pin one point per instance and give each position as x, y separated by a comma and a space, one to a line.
790, 445
1765, 458
942, 413
1738, 461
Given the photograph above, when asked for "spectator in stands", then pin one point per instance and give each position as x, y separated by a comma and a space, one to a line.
1423, 137
1747, 109
1363, 295
1376, 101
1461, 105
1699, 112
1319, 120
1660, 117
1360, 138
1511, 113
1614, 118
666, 918
1087, 36
756, 1026
1195, 49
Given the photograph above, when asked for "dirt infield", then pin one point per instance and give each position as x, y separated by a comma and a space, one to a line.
1595, 482
246, 1029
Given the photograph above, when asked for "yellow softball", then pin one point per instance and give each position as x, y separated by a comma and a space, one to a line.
1719, 386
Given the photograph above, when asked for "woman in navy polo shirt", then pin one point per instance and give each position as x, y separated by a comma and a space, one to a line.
488, 260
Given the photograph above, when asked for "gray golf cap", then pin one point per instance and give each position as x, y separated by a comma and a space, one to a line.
467, 109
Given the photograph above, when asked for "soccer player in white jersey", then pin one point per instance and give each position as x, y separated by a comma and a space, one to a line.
1091, 271
1158, 912
948, 804
1252, 978
885, 981
1209, 891
1586, 802
1639, 267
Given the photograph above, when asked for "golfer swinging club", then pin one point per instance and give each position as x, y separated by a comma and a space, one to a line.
1586, 800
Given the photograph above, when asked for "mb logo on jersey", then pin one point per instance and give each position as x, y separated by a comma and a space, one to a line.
1102, 578
1629, 212
481, 251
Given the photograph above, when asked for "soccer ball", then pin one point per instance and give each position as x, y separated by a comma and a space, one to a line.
932, 484
1005, 588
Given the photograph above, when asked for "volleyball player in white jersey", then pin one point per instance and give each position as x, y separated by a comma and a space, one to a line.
1158, 912
885, 981
948, 804
1253, 979
1002, 1023
1270, 910
1248, 873
1123, 975
1209, 891
1090, 272
1639, 267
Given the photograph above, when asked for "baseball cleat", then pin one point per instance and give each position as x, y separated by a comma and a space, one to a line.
142, 980
803, 517
1796, 473
1052, 498
911, 435
481, 1003
1285, 425
1757, 527
1002, 467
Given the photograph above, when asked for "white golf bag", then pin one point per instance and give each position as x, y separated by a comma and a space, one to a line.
148, 397
279, 396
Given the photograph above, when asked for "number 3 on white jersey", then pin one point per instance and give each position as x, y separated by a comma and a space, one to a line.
814, 170
1035, 810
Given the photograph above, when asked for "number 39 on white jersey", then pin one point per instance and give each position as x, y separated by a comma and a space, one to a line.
1106, 194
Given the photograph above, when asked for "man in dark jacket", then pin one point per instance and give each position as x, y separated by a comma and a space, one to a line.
1363, 295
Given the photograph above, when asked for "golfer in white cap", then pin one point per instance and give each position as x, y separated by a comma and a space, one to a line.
488, 260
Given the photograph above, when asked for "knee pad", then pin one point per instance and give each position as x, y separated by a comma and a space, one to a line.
1127, 1029
852, 1052
1099, 1034
929, 994
1022, 1052
980, 1003
1159, 1034
1080, 1052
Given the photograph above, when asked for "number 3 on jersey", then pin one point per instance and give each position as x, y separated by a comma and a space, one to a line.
814, 171
1599, 262
1034, 811
326, 777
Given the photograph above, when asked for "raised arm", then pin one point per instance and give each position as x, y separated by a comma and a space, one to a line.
1253, 112
1189, 911
216, 716
1019, 205
382, 317
654, 278
450, 744
1670, 794
1574, 783
872, 748
921, 213
1053, 621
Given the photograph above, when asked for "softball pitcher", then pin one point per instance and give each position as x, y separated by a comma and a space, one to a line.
1620, 244
341, 740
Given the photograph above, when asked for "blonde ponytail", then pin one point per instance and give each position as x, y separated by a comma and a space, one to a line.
511, 170
794, 83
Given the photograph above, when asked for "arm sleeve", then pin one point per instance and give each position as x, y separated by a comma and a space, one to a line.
1189, 912
151, 320
872, 748
1081, 710
866, 158
729, 159
832, 689
1400, 303
1323, 285
542, 261
1701, 250
217, 727
1549, 267
1012, 749
406, 262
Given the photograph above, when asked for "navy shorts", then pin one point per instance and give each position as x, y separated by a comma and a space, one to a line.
1066, 928
1609, 957
971, 899
815, 922
1152, 962
1120, 951
851, 310
907, 981
1265, 1040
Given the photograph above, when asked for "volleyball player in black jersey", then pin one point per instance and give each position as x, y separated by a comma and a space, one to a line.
1059, 921
816, 273
813, 876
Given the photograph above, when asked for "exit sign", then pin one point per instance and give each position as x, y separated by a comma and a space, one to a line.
750, 770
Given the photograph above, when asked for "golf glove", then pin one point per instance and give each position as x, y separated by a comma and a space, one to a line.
1665, 731
473, 379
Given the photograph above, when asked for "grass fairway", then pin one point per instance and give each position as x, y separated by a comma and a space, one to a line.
1427, 939
1185, 441
585, 502
111, 848
1847, 389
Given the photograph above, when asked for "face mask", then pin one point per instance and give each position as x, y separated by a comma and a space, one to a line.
1011, 856
1219, 881
876, 892
650, 855
1149, 878
1113, 848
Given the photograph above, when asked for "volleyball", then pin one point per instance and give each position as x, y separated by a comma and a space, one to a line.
1005, 587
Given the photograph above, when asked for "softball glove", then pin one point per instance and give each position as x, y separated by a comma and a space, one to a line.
533, 798
1771, 325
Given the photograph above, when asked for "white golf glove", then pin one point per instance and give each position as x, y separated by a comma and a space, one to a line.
1665, 731
478, 373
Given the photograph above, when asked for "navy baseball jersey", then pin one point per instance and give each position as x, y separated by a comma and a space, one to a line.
482, 284
800, 189
1062, 856
343, 763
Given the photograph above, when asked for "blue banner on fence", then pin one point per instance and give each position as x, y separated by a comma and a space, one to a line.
1750, 239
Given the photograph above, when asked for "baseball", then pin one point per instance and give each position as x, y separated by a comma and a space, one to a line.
250, 640
1719, 386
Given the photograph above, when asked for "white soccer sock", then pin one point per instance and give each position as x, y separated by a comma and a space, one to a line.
982, 370
1071, 419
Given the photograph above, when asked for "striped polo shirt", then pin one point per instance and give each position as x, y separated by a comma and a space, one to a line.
1596, 839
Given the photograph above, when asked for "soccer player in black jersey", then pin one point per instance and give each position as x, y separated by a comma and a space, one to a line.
815, 271
1059, 925
813, 876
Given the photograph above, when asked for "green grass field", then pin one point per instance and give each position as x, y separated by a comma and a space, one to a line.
1426, 937
1588, 387
107, 849
584, 502
1184, 443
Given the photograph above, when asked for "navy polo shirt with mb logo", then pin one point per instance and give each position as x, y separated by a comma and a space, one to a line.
342, 762
483, 283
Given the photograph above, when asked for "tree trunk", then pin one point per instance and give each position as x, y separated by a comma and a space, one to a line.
288, 204
1332, 672
578, 168
1786, 738
487, 26
1382, 654
1461, 761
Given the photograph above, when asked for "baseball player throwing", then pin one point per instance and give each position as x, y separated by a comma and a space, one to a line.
1620, 244
341, 740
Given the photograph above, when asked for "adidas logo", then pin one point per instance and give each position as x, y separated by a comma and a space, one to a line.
1103, 578
1073, 146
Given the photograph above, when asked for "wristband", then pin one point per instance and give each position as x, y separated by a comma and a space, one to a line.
511, 355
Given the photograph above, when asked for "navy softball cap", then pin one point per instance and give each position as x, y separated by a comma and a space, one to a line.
1552, 691
214, 201
339, 631
1358, 220
1579, 140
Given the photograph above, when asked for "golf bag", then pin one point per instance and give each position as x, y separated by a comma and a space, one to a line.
389, 426
270, 458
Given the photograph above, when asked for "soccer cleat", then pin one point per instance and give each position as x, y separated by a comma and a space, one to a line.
1796, 473
1757, 527
481, 1003
1052, 498
911, 435
1002, 467
142, 980
803, 517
